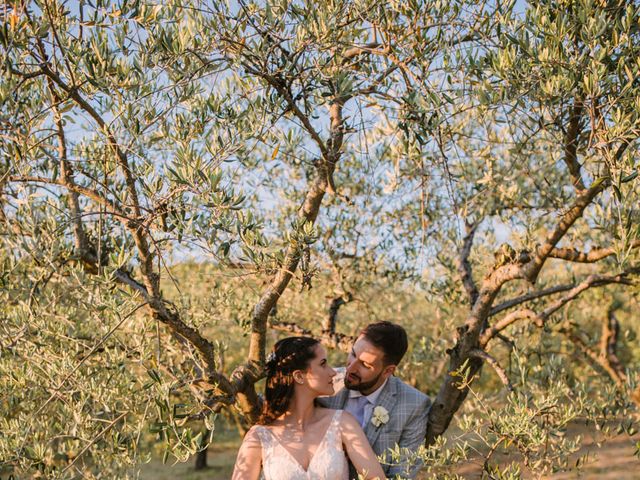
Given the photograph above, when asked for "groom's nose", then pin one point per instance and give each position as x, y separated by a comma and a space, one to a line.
350, 364
350, 360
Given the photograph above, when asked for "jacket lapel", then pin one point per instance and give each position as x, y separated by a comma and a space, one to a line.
387, 400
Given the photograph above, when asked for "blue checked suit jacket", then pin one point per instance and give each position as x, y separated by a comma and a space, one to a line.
408, 411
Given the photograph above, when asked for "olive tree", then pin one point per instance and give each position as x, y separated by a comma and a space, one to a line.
550, 151
485, 155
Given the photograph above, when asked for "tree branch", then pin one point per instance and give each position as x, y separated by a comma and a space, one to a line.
529, 296
280, 86
502, 374
95, 439
151, 278
25, 75
596, 359
56, 37
369, 48
539, 319
532, 269
508, 320
571, 145
120, 155
269, 299
87, 192
489, 291
308, 211
609, 340
146, 258
464, 267
589, 282
333, 340
450, 397
594, 255
67, 174
329, 324
243, 380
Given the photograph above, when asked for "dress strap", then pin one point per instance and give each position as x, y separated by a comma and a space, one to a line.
334, 428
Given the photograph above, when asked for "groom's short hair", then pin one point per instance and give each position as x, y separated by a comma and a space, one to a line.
388, 337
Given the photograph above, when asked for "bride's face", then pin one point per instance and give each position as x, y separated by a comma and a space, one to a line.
319, 376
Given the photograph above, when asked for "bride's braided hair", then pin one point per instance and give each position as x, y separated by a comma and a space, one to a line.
288, 355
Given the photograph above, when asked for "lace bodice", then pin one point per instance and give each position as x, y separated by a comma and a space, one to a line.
328, 462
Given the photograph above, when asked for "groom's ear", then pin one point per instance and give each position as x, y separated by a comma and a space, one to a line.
389, 370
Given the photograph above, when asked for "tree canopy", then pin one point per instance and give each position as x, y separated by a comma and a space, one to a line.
469, 170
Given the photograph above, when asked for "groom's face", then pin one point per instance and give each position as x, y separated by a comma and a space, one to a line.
366, 369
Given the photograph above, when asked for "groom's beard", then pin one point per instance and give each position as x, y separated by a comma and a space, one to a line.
359, 386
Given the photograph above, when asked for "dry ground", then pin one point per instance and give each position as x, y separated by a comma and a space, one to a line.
612, 460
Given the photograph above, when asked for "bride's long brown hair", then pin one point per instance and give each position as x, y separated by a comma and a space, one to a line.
288, 355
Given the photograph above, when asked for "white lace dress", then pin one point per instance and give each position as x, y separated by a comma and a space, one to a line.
329, 461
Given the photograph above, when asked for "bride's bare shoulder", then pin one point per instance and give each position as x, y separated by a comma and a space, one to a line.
323, 412
253, 431
348, 422
329, 412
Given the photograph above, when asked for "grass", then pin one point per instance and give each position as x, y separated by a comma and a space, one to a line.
221, 457
220, 466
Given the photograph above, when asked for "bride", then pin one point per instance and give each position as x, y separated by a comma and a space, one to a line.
295, 439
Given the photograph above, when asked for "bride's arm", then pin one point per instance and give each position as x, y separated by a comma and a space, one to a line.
358, 449
249, 458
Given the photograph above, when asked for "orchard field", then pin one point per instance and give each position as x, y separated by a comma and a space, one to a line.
183, 183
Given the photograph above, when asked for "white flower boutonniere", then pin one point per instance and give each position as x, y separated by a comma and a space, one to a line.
380, 416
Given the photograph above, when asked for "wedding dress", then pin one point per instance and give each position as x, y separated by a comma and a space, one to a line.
329, 460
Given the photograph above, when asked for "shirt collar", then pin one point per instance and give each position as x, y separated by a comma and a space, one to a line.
372, 397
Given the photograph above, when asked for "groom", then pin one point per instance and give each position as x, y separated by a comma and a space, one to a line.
391, 412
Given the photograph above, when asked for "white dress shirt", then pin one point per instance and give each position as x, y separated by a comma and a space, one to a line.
369, 406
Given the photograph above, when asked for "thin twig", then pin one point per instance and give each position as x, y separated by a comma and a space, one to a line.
502, 374
97, 437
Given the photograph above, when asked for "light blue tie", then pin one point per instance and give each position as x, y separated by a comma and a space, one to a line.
361, 402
